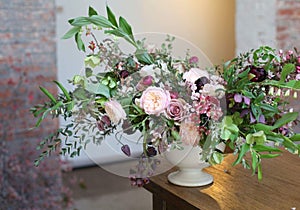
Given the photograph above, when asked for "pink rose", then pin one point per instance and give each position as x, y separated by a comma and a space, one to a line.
193, 74
154, 100
176, 109
114, 111
189, 133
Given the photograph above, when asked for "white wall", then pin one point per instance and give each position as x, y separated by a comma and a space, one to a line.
255, 24
209, 25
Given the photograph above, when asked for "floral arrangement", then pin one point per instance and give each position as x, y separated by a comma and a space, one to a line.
173, 101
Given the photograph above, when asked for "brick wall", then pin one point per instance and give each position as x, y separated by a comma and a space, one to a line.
272, 22
288, 24
27, 60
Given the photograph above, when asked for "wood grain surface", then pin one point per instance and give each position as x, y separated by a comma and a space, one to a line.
235, 188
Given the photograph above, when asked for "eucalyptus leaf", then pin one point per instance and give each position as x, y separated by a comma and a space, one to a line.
98, 89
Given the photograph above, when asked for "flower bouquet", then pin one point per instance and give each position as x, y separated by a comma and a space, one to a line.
173, 101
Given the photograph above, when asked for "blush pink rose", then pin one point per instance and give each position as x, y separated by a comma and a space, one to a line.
189, 133
176, 109
193, 74
154, 100
114, 111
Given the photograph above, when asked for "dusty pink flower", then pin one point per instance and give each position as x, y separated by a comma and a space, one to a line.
193, 74
115, 111
176, 110
189, 133
154, 100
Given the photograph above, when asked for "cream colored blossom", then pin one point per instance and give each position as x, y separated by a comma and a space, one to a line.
115, 111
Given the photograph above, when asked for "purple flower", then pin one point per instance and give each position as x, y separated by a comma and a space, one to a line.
193, 59
123, 74
126, 149
244, 112
262, 119
252, 118
247, 100
151, 151
257, 74
238, 98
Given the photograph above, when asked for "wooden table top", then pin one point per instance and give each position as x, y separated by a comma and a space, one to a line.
236, 188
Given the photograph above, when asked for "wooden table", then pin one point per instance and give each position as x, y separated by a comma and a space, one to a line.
235, 188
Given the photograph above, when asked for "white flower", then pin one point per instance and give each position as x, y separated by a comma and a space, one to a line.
213, 90
193, 74
115, 111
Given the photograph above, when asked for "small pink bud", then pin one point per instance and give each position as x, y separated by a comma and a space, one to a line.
147, 80
194, 59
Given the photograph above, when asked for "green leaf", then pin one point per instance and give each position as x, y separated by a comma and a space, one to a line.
80, 21
88, 72
285, 119
98, 89
72, 32
292, 84
264, 148
79, 42
48, 94
144, 57
269, 155
111, 17
259, 172
245, 148
295, 137
175, 135
286, 70
269, 108
116, 32
255, 161
263, 127
217, 157
65, 92
92, 11
125, 27
92, 61
101, 21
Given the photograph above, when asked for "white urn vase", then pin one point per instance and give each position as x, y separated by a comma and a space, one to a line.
190, 165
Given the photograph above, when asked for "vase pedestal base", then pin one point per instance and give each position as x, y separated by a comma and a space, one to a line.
190, 178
